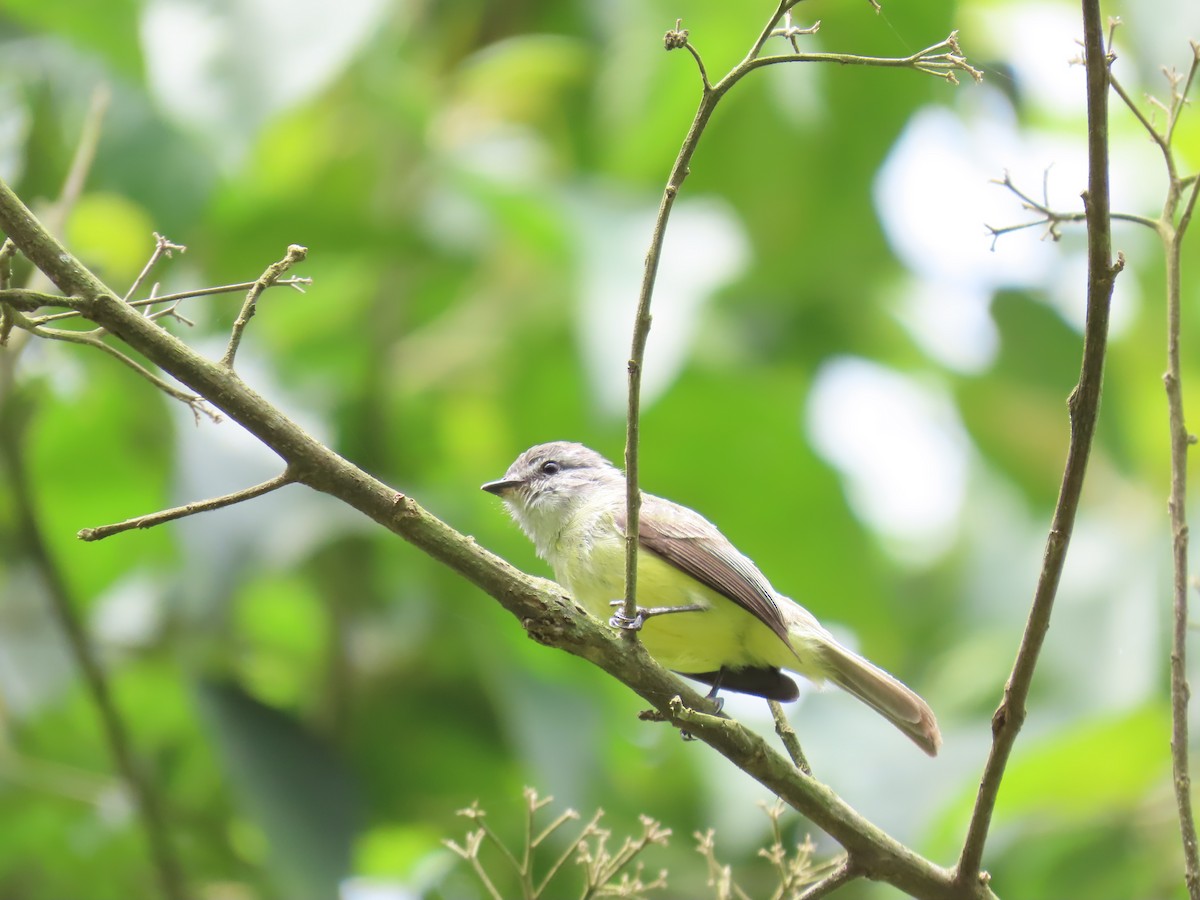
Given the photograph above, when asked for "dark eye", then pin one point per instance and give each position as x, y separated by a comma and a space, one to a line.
551, 468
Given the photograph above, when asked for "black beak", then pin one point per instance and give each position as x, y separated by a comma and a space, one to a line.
500, 487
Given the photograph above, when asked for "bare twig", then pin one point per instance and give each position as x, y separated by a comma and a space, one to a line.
1180, 692
1049, 217
1180, 439
787, 734
295, 254
1179, 94
189, 509
1083, 405
840, 876
162, 247
54, 300
194, 402
941, 59
790, 31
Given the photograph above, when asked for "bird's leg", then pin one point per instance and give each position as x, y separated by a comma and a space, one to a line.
620, 620
717, 702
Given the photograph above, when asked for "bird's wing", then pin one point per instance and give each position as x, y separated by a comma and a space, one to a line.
692, 544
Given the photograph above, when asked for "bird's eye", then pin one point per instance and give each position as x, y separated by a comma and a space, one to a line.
551, 468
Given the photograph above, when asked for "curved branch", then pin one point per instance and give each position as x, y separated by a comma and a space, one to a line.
547, 616
840, 876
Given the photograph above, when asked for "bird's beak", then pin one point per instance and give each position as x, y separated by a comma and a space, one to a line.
501, 487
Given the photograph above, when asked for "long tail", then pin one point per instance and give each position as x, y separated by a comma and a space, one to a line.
883, 693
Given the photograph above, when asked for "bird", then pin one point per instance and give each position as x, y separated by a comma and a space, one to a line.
716, 618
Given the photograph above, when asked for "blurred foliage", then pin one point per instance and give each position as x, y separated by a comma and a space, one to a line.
476, 183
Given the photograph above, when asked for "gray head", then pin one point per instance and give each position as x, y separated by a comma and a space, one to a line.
548, 482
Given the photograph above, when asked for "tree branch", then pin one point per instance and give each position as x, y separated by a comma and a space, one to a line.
189, 509
547, 616
787, 735
25, 298
843, 874
1180, 440
1083, 405
162, 247
931, 60
295, 253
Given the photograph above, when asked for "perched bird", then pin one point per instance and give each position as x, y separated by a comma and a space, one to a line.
714, 617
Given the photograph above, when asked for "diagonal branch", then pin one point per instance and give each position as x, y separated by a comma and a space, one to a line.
188, 509
1083, 406
162, 247
295, 253
840, 876
941, 59
787, 735
1181, 439
547, 616
194, 402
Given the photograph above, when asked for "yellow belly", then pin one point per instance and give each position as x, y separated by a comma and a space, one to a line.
722, 634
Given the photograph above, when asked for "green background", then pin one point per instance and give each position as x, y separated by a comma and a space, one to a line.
476, 183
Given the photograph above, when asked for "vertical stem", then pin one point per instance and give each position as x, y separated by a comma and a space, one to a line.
641, 331
1180, 692
1083, 406
641, 327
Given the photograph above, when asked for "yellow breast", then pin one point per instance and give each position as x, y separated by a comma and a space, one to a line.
722, 634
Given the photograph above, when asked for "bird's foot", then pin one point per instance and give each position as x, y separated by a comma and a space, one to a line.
642, 613
622, 621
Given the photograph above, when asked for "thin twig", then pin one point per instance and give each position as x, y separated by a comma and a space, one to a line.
53, 300
145, 797
843, 874
931, 60
1052, 218
1159, 141
162, 247
194, 402
295, 253
189, 509
1180, 440
787, 734
1083, 405
1180, 692
1179, 95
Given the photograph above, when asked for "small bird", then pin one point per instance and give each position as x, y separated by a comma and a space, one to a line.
716, 619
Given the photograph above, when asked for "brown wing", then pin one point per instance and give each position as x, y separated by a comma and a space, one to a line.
692, 544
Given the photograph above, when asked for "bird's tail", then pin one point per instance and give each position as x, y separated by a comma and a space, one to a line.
887, 696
